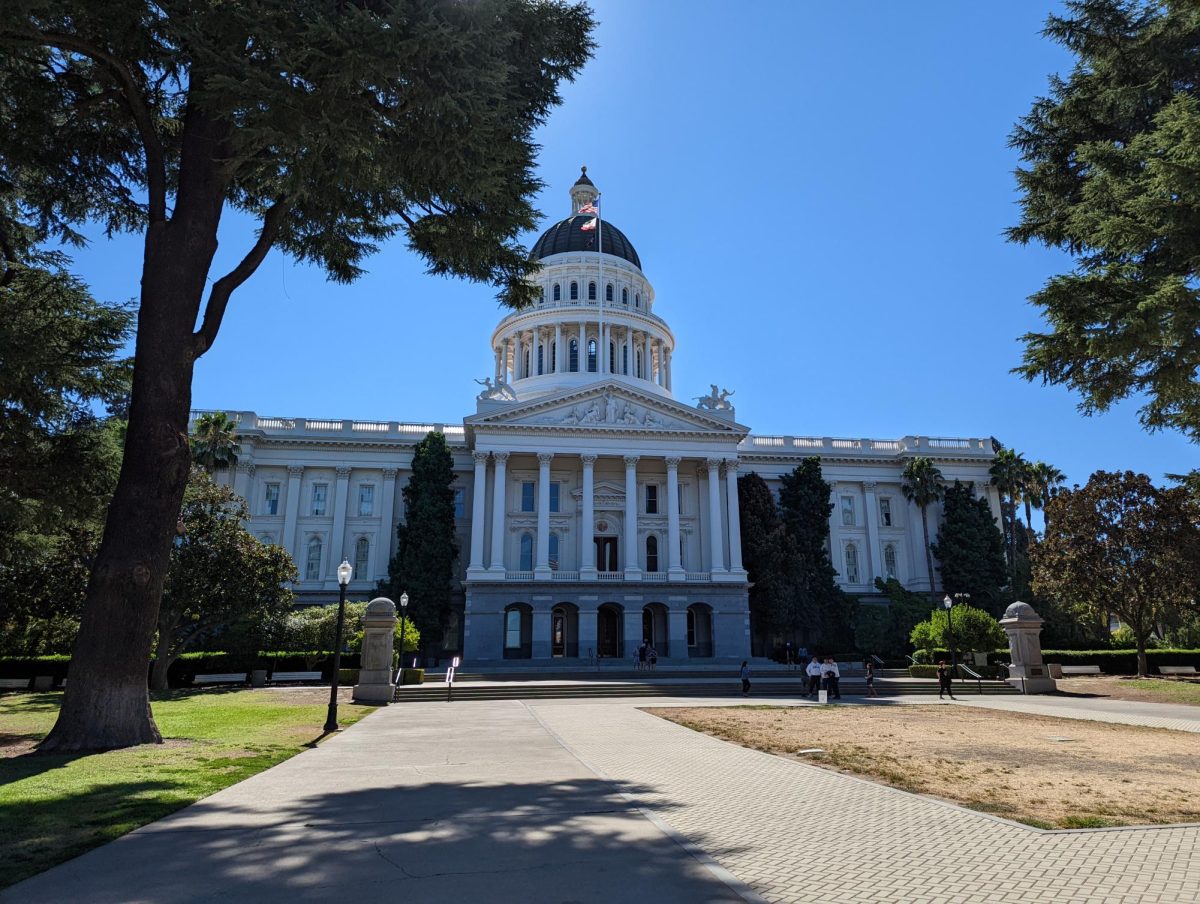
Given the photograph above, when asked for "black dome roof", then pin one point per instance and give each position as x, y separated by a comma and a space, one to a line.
568, 236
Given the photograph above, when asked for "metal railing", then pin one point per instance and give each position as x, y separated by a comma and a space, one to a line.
974, 674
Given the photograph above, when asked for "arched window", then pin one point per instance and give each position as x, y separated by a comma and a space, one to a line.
591, 291
612, 357
312, 566
526, 552
557, 292
541, 356
591, 356
652, 553
637, 357
851, 563
624, 296
889, 560
574, 291
525, 364
542, 297
554, 552
637, 300
268, 539
624, 359
362, 552
512, 629
553, 356
573, 363
608, 292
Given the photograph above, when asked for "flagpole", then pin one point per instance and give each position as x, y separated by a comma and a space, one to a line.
603, 343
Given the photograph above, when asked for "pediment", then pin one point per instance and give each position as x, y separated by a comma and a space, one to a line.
608, 407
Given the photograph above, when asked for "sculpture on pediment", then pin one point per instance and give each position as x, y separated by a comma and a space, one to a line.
715, 400
497, 392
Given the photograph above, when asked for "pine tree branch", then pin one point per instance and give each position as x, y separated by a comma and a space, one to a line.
223, 288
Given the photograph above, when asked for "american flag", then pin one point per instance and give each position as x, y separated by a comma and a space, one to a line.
590, 209
589, 225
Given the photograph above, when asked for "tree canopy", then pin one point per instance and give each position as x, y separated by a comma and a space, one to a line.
970, 548
1124, 546
970, 629
922, 485
1111, 163
214, 441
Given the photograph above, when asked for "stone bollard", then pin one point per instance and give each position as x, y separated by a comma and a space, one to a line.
1028, 672
375, 680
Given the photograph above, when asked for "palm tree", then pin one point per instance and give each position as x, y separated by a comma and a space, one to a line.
922, 484
214, 441
1044, 483
1009, 472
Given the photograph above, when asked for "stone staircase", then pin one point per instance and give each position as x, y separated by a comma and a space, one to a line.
772, 683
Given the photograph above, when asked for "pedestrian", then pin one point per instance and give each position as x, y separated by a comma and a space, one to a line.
944, 685
832, 676
745, 674
871, 692
641, 657
791, 663
813, 671
652, 658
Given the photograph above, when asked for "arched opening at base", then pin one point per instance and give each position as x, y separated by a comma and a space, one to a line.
610, 628
518, 631
655, 628
699, 630
564, 631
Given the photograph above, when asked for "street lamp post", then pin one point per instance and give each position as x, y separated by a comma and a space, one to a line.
403, 621
343, 574
961, 599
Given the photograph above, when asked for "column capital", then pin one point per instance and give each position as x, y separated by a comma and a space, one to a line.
673, 462
731, 466
295, 470
981, 487
869, 484
588, 459
713, 463
500, 456
245, 467
631, 461
343, 473
390, 473
480, 458
545, 457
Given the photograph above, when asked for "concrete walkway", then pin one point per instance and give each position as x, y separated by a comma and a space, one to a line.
597, 801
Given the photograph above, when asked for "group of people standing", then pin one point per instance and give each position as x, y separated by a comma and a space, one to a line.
647, 657
824, 675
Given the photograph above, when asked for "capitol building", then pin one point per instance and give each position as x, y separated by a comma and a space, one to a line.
596, 509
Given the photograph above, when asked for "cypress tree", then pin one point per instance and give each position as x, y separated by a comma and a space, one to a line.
764, 547
970, 548
426, 547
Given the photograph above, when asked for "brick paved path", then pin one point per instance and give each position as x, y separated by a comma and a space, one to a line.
799, 833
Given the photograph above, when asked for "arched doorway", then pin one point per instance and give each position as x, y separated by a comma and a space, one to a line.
564, 631
610, 622
699, 630
654, 628
607, 542
518, 631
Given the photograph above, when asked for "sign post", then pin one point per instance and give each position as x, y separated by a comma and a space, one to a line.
450, 679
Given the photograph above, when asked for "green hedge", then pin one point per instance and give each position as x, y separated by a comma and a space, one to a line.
184, 670
1122, 662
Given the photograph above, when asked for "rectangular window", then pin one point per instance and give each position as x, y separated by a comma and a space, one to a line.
512, 629
319, 493
885, 511
527, 496
852, 564
555, 495
460, 503
651, 499
271, 499
366, 499
848, 511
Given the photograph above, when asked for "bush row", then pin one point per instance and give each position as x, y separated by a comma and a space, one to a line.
184, 670
1121, 662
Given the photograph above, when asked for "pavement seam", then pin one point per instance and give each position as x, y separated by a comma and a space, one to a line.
732, 882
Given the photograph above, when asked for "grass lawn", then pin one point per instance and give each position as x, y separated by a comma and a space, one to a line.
1043, 771
1145, 690
55, 807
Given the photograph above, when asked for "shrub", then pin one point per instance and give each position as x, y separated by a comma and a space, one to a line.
971, 629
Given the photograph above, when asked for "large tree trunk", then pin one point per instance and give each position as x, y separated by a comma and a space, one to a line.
163, 660
106, 704
1143, 664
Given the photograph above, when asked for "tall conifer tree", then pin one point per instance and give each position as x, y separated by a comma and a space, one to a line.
970, 548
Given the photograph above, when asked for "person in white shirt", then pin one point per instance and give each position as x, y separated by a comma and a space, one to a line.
829, 671
813, 671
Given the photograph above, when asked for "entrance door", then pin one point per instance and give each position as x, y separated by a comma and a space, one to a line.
606, 553
558, 633
608, 632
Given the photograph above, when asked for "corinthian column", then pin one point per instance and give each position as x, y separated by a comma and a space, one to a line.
633, 571
499, 506
587, 521
674, 566
715, 532
541, 570
735, 518
478, 513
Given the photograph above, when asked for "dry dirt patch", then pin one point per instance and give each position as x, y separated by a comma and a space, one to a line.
1047, 772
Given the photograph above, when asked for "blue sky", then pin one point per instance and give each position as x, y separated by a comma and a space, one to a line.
818, 193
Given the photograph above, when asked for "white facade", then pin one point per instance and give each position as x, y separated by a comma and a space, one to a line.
595, 511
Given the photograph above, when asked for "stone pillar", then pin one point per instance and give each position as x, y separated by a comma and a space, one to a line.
674, 566
587, 522
587, 631
633, 571
633, 629
647, 358
715, 533
499, 374
291, 510
582, 347
499, 512
558, 349
667, 352
735, 518
677, 634
602, 348
340, 500
1028, 672
478, 514
540, 646
871, 519
658, 354
241, 482
627, 365
387, 527
541, 569
375, 684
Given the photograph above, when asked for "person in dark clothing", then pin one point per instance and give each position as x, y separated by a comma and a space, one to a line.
944, 685
745, 676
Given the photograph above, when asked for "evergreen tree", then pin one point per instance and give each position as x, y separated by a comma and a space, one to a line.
214, 442
970, 549
1112, 160
805, 507
922, 485
334, 126
766, 557
427, 547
